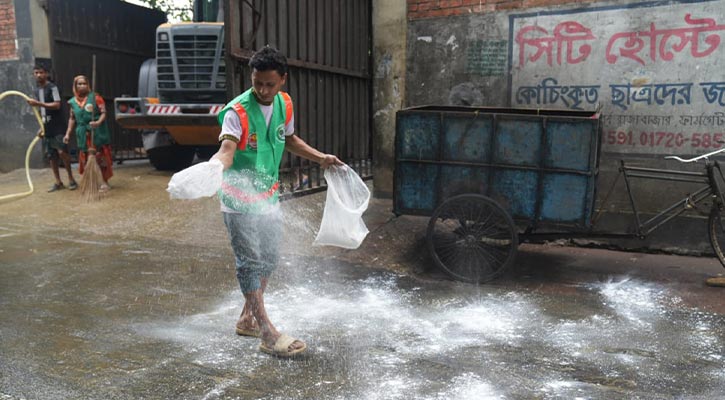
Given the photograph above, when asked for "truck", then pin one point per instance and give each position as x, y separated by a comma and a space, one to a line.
181, 91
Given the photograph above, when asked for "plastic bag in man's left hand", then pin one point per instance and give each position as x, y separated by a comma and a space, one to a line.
347, 199
201, 180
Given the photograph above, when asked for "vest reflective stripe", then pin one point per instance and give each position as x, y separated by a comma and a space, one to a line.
287, 107
245, 197
244, 120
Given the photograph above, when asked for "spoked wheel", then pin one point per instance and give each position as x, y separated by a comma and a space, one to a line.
472, 238
716, 228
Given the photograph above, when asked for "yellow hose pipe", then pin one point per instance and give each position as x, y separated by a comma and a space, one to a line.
41, 133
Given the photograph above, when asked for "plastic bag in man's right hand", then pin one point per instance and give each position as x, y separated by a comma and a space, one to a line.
201, 180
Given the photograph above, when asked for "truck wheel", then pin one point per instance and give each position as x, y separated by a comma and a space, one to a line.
205, 152
171, 158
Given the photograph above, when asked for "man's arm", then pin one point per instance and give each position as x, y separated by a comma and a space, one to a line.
51, 105
71, 128
226, 153
295, 145
48, 106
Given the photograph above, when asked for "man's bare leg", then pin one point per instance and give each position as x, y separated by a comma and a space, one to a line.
66, 163
246, 319
255, 303
56, 171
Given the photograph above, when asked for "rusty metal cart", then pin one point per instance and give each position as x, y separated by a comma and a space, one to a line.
490, 177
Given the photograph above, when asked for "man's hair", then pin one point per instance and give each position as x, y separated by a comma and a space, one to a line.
268, 59
40, 67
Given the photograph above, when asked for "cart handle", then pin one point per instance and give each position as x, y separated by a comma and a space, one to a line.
705, 156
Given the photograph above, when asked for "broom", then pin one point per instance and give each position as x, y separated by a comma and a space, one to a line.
92, 176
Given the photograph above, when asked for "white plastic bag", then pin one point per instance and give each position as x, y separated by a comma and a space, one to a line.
347, 199
200, 180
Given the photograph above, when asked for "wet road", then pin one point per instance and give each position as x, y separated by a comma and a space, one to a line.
135, 298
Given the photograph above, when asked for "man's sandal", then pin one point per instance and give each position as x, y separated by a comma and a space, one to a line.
56, 187
281, 347
248, 332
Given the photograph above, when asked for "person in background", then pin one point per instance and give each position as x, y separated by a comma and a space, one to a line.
47, 98
257, 127
88, 112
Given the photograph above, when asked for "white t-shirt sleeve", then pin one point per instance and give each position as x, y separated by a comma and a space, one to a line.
289, 129
231, 125
56, 94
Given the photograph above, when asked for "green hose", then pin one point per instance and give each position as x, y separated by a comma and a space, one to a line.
41, 133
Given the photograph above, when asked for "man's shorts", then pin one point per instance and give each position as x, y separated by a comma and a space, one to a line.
51, 145
255, 240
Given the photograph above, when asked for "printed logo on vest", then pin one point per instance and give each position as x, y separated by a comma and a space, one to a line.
280, 132
252, 141
88, 107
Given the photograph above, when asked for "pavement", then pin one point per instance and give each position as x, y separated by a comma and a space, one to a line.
134, 297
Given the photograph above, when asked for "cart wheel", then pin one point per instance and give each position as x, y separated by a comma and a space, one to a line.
716, 228
472, 238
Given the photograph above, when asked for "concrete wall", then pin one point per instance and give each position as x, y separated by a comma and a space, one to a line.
18, 126
41, 35
654, 68
389, 47
439, 71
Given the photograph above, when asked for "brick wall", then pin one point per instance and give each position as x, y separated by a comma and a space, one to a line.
8, 50
419, 9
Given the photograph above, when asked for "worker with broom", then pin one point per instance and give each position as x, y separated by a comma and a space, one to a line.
88, 119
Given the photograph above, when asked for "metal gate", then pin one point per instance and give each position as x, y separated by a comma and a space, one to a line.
121, 36
328, 47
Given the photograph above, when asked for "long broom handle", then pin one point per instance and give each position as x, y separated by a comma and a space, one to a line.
93, 110
93, 72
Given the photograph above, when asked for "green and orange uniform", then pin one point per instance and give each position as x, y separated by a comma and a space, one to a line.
83, 111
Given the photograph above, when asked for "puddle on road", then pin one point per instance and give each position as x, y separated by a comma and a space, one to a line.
375, 338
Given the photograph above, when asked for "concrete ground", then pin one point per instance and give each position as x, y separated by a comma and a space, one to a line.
134, 297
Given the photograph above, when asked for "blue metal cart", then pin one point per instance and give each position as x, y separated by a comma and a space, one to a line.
487, 176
